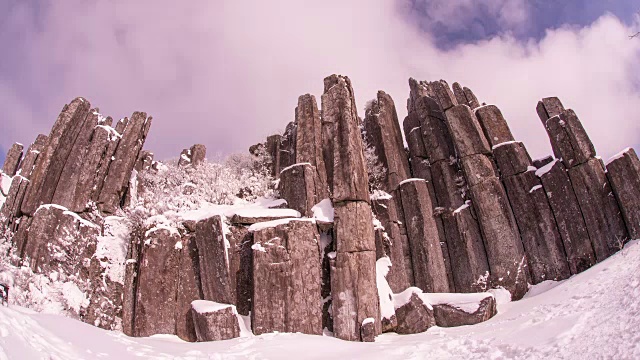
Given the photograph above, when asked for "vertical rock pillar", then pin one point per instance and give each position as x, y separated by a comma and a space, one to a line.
12, 160
597, 201
505, 253
623, 171
353, 278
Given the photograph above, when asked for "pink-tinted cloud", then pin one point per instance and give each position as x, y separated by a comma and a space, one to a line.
228, 73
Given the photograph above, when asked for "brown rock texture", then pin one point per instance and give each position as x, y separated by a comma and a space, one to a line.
548, 108
428, 262
569, 139
415, 316
353, 222
298, 186
568, 216
512, 158
494, 124
450, 315
45, 175
125, 156
214, 321
538, 163
599, 207
198, 154
383, 133
286, 279
12, 160
214, 260
623, 172
466, 132
309, 141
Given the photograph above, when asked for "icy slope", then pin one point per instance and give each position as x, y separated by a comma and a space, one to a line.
592, 315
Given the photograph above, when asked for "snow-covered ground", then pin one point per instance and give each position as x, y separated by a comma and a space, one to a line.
593, 315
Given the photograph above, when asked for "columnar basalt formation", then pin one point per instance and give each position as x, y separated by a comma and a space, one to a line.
214, 260
429, 269
287, 147
433, 158
298, 185
536, 222
505, 253
623, 171
598, 205
286, 278
353, 275
12, 160
465, 96
309, 142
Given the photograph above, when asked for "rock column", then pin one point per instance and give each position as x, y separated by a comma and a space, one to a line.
505, 253
353, 277
598, 204
623, 171
12, 160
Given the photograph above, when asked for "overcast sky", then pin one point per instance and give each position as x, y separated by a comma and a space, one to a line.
227, 74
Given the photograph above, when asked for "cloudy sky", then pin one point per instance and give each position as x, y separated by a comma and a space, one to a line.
227, 74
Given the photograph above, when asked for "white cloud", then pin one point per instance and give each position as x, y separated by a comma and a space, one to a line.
227, 74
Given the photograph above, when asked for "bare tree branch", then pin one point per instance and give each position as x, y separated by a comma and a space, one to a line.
634, 35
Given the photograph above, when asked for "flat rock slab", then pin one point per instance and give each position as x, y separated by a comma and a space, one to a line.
214, 321
623, 172
450, 310
568, 216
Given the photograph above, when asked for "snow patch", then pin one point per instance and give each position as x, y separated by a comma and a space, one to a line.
294, 165
206, 306
503, 144
274, 223
410, 180
545, 169
323, 211
618, 155
380, 195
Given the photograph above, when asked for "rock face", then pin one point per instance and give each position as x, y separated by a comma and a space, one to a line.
494, 125
426, 254
298, 186
623, 172
415, 316
12, 160
383, 133
214, 321
309, 141
505, 253
286, 278
466, 309
569, 219
536, 222
353, 273
214, 260
125, 156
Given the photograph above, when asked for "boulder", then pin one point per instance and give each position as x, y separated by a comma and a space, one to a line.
599, 207
368, 330
45, 175
428, 261
568, 216
309, 141
382, 131
286, 278
12, 160
466, 132
297, 186
349, 177
214, 260
450, 310
623, 171
214, 321
414, 314
493, 124
569, 139
198, 154
538, 230
505, 253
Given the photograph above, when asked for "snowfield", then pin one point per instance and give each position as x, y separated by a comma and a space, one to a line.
593, 315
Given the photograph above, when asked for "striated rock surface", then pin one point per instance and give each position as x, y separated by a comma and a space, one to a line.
493, 124
623, 172
298, 185
309, 141
12, 160
214, 260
